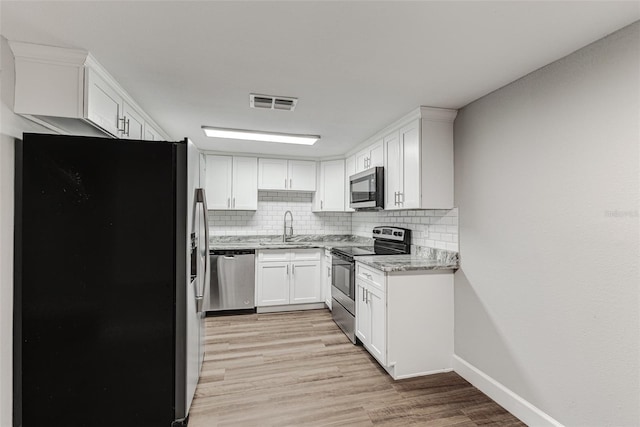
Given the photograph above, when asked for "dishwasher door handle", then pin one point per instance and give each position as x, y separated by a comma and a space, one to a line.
232, 257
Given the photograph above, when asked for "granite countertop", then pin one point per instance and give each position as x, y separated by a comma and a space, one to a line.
425, 259
295, 242
422, 258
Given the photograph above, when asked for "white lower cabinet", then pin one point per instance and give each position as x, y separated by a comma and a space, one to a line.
287, 277
273, 281
405, 319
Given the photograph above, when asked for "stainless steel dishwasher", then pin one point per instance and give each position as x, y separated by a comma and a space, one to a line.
232, 283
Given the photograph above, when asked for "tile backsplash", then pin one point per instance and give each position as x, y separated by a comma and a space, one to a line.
267, 220
430, 228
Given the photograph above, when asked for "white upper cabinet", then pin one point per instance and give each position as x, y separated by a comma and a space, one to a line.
330, 194
370, 157
272, 174
231, 183
218, 183
402, 182
302, 175
103, 104
282, 174
417, 155
53, 85
133, 123
245, 183
150, 133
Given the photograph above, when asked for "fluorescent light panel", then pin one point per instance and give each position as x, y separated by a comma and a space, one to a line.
285, 138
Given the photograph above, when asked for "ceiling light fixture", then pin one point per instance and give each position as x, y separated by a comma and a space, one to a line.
285, 138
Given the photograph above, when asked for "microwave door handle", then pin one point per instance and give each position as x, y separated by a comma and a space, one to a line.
201, 199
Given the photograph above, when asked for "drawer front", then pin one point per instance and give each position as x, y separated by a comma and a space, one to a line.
268, 255
306, 254
371, 275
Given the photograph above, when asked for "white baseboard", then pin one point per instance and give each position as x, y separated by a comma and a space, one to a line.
291, 307
506, 398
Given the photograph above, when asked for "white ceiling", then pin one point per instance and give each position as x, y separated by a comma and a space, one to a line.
355, 66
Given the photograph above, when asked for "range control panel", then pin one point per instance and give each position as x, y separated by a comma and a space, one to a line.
392, 233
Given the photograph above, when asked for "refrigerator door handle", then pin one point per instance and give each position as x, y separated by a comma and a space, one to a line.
202, 199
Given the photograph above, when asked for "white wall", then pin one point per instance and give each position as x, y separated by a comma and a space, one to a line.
11, 126
268, 219
547, 299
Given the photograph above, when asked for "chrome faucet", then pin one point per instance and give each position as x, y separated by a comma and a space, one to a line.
284, 231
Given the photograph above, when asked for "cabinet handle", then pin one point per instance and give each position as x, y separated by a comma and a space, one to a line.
234, 202
395, 198
228, 202
287, 269
290, 183
320, 204
293, 270
363, 292
400, 202
123, 120
285, 183
128, 127
328, 271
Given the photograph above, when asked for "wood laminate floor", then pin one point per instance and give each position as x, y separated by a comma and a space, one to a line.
299, 369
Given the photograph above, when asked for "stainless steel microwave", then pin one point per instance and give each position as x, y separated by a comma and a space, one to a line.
366, 189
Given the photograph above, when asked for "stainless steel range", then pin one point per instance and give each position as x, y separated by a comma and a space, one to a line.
387, 241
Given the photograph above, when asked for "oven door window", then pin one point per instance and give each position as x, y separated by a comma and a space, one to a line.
342, 276
363, 189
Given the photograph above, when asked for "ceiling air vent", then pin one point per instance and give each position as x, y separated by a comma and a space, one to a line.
270, 102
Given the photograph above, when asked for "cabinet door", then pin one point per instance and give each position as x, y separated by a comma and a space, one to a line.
273, 283
350, 169
272, 174
305, 282
103, 104
133, 123
378, 332
332, 186
150, 134
363, 317
245, 183
362, 159
218, 183
376, 154
410, 159
302, 175
392, 171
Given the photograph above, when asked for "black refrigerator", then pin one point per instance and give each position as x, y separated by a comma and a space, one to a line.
111, 259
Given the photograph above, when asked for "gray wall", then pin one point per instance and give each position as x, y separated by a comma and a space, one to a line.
547, 187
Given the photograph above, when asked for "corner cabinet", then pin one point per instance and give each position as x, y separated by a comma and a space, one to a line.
54, 85
288, 277
231, 183
405, 319
419, 161
331, 186
283, 174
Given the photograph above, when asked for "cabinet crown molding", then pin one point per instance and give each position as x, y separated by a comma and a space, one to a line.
51, 54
